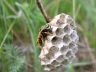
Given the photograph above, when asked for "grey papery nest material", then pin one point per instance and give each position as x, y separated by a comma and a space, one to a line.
60, 48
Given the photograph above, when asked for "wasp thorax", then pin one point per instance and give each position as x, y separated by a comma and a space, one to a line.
61, 46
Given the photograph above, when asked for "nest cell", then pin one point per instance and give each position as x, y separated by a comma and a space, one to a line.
65, 62
75, 49
73, 35
69, 20
71, 45
60, 59
69, 53
53, 50
56, 40
66, 39
50, 55
59, 31
55, 63
63, 49
67, 29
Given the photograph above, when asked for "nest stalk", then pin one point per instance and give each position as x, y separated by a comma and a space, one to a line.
40, 6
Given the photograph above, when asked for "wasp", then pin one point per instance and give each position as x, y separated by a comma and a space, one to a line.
43, 33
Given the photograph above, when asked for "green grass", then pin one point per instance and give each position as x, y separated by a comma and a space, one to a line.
24, 18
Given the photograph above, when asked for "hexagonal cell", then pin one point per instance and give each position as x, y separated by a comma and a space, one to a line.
63, 49
66, 39
55, 63
53, 50
73, 35
69, 20
59, 31
60, 69
45, 61
65, 62
72, 45
72, 26
60, 21
69, 53
50, 66
60, 59
72, 59
58, 66
53, 70
56, 40
49, 56
76, 39
67, 29
75, 49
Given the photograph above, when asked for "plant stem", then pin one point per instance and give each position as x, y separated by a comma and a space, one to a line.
40, 6
11, 26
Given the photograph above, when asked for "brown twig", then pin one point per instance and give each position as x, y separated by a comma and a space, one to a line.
40, 6
79, 28
90, 53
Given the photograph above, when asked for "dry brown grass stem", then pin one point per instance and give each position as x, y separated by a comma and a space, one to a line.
40, 6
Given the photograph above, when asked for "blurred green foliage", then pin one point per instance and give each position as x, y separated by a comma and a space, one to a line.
24, 18
10, 59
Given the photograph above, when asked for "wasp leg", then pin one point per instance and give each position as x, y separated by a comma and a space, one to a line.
48, 33
40, 47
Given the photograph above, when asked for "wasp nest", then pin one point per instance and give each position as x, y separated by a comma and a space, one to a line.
60, 47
